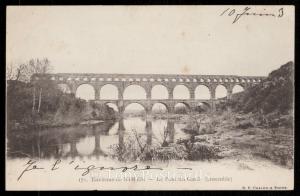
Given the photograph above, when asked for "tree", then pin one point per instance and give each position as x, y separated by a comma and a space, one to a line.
24, 71
16, 72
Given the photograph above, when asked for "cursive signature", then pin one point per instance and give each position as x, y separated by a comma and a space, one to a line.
237, 14
33, 165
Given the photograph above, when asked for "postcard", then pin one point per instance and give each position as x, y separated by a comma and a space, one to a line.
150, 97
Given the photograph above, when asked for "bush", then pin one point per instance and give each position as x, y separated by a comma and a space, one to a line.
129, 151
244, 124
207, 129
135, 149
199, 151
173, 152
278, 154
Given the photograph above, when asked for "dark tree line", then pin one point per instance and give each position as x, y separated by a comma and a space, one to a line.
42, 103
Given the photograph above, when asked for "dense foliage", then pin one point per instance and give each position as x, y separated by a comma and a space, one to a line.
274, 94
50, 106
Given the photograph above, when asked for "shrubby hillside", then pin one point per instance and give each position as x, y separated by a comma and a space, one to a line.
274, 94
271, 101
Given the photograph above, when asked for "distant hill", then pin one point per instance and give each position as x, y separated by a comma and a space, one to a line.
275, 94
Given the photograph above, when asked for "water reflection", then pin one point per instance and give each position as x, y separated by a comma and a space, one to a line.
91, 141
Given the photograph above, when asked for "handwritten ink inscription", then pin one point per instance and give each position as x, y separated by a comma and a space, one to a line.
33, 165
247, 11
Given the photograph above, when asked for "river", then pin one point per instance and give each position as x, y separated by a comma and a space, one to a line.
88, 141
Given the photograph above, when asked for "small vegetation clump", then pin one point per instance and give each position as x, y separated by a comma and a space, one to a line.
135, 148
172, 152
200, 151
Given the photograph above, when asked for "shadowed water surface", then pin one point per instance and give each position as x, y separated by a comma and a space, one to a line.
89, 141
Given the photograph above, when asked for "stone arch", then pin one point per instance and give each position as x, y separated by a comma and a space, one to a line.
139, 123
202, 92
181, 91
64, 87
159, 91
136, 106
203, 107
85, 91
134, 91
109, 91
160, 103
220, 91
187, 107
238, 88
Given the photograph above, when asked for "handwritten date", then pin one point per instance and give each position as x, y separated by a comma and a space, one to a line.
247, 11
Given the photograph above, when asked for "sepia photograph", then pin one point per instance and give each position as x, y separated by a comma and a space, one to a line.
150, 97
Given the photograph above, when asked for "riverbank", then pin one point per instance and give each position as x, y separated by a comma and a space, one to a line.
47, 125
238, 136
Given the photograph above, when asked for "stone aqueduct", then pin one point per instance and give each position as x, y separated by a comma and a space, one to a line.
147, 82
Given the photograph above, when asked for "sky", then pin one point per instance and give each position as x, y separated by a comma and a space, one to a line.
150, 39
